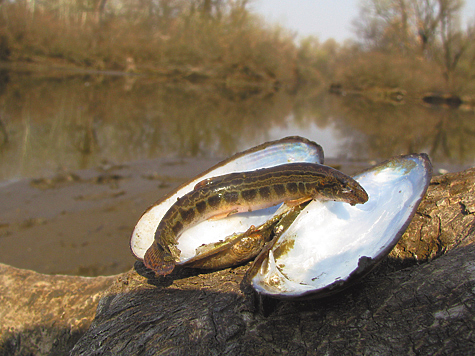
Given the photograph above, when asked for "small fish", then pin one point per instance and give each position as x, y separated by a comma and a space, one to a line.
233, 193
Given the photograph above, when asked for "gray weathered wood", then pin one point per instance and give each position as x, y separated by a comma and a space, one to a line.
420, 300
45, 314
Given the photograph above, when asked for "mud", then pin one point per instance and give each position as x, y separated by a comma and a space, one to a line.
79, 223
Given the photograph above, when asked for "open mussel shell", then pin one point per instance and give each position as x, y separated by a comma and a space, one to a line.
330, 245
286, 150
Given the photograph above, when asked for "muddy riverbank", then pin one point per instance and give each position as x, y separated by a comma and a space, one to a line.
79, 223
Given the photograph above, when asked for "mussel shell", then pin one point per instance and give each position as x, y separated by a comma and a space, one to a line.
286, 150
330, 245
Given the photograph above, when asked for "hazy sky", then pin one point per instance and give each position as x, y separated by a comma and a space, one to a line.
323, 18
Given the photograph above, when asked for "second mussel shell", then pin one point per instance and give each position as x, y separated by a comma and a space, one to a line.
226, 242
330, 245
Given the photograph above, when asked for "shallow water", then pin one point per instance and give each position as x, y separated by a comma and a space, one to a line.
82, 156
57, 121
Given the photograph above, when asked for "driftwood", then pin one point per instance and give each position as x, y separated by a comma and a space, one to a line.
45, 314
426, 308
420, 300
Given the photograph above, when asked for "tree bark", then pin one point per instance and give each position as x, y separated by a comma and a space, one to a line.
426, 308
419, 300
45, 314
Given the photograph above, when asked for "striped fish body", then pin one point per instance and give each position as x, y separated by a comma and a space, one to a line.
242, 192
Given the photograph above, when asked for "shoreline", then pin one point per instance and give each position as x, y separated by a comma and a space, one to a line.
85, 218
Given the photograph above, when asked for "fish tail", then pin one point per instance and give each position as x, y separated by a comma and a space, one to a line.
159, 260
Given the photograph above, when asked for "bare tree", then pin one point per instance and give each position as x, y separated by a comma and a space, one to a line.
454, 40
427, 14
429, 28
385, 25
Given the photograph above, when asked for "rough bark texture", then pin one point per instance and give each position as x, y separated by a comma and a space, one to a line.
444, 220
420, 300
426, 308
43, 314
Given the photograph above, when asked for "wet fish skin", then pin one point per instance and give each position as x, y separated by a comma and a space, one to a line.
240, 192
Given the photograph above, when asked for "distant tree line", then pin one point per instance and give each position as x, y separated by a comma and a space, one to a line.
428, 31
416, 45
197, 39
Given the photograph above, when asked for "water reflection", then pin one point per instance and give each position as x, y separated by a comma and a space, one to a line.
446, 134
73, 122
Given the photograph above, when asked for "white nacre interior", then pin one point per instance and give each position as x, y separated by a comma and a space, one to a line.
327, 240
277, 153
210, 231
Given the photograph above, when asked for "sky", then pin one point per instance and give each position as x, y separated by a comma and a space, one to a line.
323, 18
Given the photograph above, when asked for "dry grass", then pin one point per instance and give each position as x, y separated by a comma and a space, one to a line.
236, 44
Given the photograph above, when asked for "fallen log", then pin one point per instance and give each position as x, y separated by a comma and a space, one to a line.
419, 300
45, 314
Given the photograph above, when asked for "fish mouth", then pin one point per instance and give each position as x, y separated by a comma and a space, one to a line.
318, 250
361, 197
355, 195
331, 245
289, 149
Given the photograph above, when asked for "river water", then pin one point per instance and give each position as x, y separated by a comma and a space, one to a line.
97, 149
56, 121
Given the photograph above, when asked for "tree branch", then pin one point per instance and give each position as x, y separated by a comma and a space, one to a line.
419, 300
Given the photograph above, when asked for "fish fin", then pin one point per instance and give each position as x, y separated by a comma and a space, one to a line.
159, 260
295, 202
223, 215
